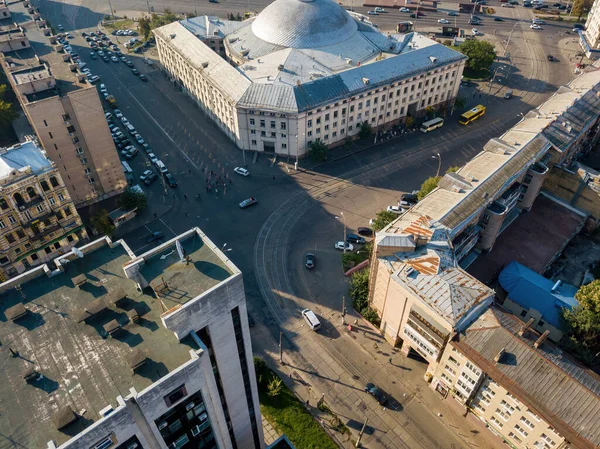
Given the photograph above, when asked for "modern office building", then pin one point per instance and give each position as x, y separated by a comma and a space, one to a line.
106, 349
522, 386
65, 111
38, 220
305, 70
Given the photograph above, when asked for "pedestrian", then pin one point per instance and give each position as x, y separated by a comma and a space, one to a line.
185, 196
230, 181
390, 361
273, 178
307, 403
155, 216
190, 171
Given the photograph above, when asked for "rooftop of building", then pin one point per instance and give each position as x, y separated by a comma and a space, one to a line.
532, 290
422, 260
23, 156
298, 54
41, 53
8, 33
547, 380
65, 334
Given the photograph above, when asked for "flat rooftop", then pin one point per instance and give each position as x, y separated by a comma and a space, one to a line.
83, 367
8, 33
31, 74
66, 80
184, 281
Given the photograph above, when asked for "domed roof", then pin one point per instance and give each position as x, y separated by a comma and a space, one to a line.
304, 23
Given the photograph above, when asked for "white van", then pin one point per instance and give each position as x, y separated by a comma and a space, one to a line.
130, 128
161, 166
311, 319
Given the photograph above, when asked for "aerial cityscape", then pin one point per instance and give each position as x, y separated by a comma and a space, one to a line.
307, 224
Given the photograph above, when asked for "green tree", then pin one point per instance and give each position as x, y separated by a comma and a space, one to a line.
130, 200
144, 27
581, 7
7, 112
460, 102
430, 112
318, 150
382, 219
102, 223
453, 169
589, 296
359, 289
274, 387
481, 54
365, 130
428, 185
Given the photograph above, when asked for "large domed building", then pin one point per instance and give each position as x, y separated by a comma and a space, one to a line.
303, 70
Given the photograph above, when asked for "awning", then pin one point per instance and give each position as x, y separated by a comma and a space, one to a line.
51, 242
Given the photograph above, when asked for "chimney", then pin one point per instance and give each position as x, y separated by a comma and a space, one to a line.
541, 340
499, 355
526, 327
556, 286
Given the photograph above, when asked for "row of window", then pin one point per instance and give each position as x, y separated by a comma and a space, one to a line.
273, 125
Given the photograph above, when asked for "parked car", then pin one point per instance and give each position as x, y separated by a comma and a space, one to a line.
150, 179
396, 210
353, 238
143, 77
374, 391
452, 13
147, 148
367, 232
533, 26
145, 175
241, 171
498, 19
135, 71
410, 197
309, 261
157, 235
341, 245
248, 202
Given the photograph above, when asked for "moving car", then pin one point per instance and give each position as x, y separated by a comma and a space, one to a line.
404, 10
309, 261
241, 171
376, 393
157, 235
170, 179
373, 13
353, 238
452, 13
342, 245
367, 232
444, 21
247, 203
533, 26
379, 9
498, 19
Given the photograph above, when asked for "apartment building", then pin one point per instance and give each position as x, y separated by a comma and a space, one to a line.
12, 38
4, 11
65, 112
589, 39
299, 72
38, 220
117, 350
523, 387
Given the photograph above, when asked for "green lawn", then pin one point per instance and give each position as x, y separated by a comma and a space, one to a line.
288, 415
121, 25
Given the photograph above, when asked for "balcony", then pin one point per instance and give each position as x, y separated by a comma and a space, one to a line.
426, 330
497, 208
24, 205
39, 218
40, 235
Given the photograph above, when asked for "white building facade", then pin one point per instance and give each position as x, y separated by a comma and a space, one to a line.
303, 71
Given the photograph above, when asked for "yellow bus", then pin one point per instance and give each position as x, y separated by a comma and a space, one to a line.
472, 114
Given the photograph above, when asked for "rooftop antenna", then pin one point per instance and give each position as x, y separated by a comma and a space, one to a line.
20, 290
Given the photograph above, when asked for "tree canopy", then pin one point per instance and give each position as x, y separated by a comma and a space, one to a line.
131, 199
481, 54
382, 219
365, 130
318, 150
428, 185
144, 27
581, 7
102, 223
7, 111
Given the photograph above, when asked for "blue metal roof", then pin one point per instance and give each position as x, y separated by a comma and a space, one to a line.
532, 290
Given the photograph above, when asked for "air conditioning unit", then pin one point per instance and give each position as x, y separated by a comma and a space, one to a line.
22, 207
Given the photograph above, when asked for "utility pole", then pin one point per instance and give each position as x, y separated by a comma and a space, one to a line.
343, 310
281, 347
112, 11
361, 432
148, 3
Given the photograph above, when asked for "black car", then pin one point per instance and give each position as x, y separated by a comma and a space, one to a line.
551, 58
411, 197
376, 393
353, 238
135, 71
170, 180
309, 261
498, 19
157, 235
143, 77
367, 232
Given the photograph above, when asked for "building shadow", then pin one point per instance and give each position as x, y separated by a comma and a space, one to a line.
31, 320
152, 370
44, 383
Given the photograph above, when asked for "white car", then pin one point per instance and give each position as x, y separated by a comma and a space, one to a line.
139, 139
443, 21
373, 13
404, 10
152, 158
124, 120
241, 171
108, 115
475, 31
145, 175
533, 26
342, 245
114, 59
396, 210
118, 113
378, 9
93, 79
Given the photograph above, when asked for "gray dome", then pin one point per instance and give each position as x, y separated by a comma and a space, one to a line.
304, 23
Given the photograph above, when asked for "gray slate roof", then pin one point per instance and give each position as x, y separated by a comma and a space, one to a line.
563, 392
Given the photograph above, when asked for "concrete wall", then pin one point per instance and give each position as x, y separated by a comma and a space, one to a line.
571, 187
555, 333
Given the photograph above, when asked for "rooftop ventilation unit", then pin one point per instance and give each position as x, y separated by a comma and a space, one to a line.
204, 65
366, 81
456, 189
556, 286
500, 355
348, 61
432, 59
280, 67
469, 177
409, 270
172, 36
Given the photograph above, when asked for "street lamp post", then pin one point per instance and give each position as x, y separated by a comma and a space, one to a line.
510, 36
439, 158
344, 220
493, 78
